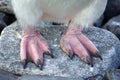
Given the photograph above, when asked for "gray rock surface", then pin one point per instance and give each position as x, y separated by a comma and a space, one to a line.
113, 25
61, 65
5, 6
96, 77
31, 77
7, 76
113, 74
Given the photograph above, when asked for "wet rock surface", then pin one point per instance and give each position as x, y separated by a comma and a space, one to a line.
61, 65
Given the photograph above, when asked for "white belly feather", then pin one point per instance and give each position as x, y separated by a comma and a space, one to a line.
64, 11
32, 11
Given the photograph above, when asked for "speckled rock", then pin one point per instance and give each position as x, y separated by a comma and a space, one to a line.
5, 6
113, 25
7, 76
33, 77
113, 74
96, 77
61, 65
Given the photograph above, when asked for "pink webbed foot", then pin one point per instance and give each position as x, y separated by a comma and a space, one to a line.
73, 42
33, 47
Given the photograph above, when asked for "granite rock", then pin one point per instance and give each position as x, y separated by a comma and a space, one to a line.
96, 77
113, 25
7, 76
5, 6
113, 74
36, 77
61, 65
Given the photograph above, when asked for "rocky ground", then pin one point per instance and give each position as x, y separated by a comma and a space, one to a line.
106, 38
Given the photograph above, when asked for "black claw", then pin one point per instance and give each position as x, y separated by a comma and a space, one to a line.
40, 64
61, 33
71, 55
90, 61
99, 56
24, 63
50, 54
41, 33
